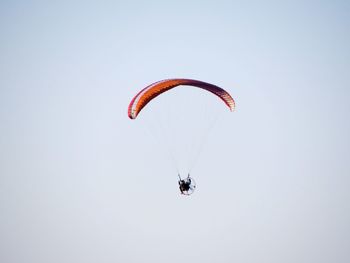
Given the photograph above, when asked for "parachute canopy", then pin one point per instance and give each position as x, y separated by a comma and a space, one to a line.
150, 92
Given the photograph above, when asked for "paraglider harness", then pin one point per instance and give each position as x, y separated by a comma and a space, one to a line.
187, 185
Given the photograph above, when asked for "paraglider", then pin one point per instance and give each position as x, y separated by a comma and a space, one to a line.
187, 186
144, 96
150, 92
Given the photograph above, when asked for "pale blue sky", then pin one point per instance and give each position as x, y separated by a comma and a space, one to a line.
77, 176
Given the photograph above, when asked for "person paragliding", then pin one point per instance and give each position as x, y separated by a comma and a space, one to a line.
144, 96
187, 186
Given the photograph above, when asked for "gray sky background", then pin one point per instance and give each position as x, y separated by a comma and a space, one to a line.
80, 182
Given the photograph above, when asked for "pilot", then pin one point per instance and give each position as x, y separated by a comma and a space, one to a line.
184, 185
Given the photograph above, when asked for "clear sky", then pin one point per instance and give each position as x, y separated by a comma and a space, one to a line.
81, 182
